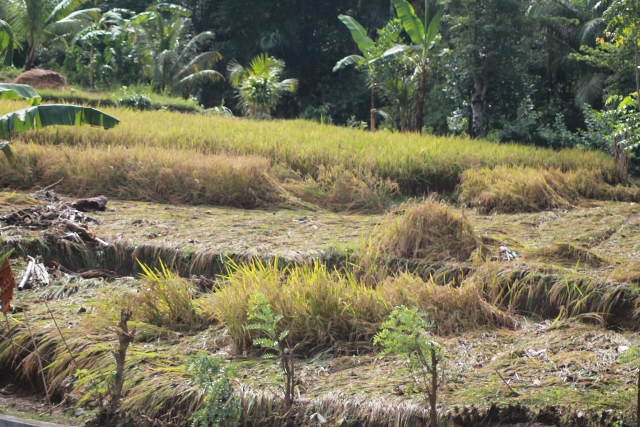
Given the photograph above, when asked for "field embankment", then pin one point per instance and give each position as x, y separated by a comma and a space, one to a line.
335, 167
554, 322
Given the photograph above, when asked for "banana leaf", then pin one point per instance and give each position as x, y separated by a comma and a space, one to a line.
51, 115
6, 149
19, 93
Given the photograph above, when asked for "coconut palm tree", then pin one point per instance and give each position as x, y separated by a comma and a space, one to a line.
35, 19
259, 87
565, 28
115, 32
173, 57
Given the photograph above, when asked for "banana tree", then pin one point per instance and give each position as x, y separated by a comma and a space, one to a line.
369, 53
8, 42
424, 37
40, 116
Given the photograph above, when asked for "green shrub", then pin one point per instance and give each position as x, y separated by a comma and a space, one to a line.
218, 407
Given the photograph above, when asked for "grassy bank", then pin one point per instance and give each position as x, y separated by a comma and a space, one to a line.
110, 99
416, 163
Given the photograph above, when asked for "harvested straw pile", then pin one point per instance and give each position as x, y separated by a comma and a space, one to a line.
431, 230
42, 79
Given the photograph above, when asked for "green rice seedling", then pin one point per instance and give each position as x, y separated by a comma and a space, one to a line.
430, 230
165, 299
320, 307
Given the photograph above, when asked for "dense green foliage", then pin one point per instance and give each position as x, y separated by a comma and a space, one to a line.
532, 71
213, 380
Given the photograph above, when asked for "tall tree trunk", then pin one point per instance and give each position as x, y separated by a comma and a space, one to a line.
622, 159
91, 79
31, 52
372, 127
433, 396
422, 91
477, 107
637, 74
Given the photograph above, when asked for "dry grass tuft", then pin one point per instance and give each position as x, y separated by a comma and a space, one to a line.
320, 307
507, 189
570, 255
452, 308
42, 79
430, 230
627, 273
338, 188
418, 164
323, 308
553, 293
142, 173
8, 198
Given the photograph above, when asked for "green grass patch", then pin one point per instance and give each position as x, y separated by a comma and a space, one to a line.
111, 99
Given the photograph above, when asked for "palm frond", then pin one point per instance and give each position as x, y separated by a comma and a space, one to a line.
8, 42
237, 73
590, 30
288, 85
203, 61
75, 22
173, 8
63, 9
590, 88
192, 46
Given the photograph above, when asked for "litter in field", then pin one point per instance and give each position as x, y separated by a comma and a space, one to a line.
61, 221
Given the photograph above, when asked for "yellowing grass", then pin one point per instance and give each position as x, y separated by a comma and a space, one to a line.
508, 189
417, 163
139, 173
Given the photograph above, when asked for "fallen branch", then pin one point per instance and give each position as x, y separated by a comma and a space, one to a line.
84, 233
513, 392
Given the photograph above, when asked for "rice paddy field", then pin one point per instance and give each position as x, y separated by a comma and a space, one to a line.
527, 261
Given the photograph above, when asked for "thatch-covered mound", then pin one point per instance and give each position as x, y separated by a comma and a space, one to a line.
42, 79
